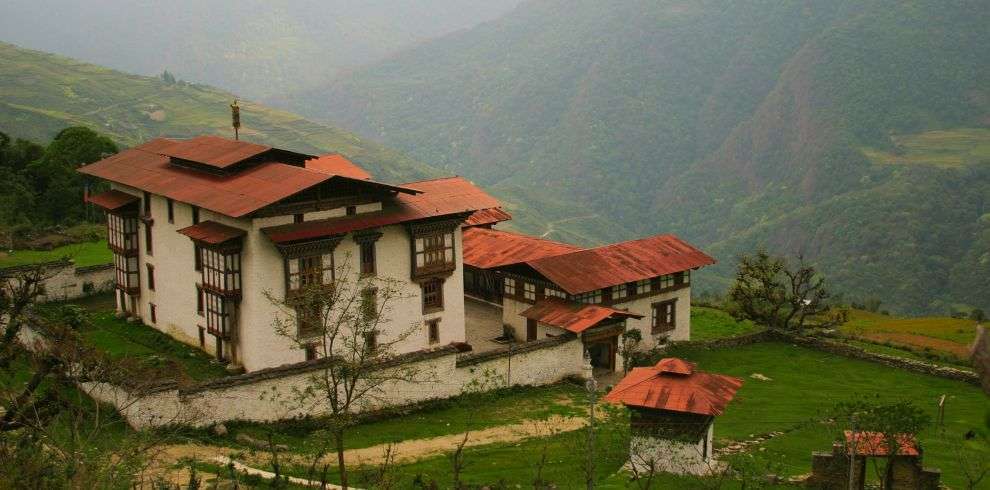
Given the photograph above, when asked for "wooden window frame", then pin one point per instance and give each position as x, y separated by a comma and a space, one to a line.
197, 257
298, 218
309, 321
151, 276
643, 287
200, 308
371, 341
195, 214
659, 309
619, 293
509, 286
432, 292
126, 272
368, 257
122, 233
369, 304
146, 204
433, 250
153, 312
595, 297
433, 331
171, 209
532, 329
202, 336
309, 270
148, 242
553, 293
219, 315
350, 210
221, 270
529, 291
310, 352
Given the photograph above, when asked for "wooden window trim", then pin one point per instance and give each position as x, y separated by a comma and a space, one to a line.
309, 270
433, 331
310, 352
146, 203
350, 210
656, 309
153, 312
199, 300
298, 218
371, 341
532, 329
197, 257
148, 245
195, 214
202, 336
432, 292
151, 276
171, 209
369, 259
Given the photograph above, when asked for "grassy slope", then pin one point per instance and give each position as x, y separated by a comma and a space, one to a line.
44, 93
735, 126
711, 324
84, 254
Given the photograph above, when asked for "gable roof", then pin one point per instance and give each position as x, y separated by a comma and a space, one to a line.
571, 315
440, 197
657, 388
335, 164
597, 268
487, 249
487, 217
214, 151
147, 167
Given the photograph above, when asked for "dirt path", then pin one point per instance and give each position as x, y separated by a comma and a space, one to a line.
403, 451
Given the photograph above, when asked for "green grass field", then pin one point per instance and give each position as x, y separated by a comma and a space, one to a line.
710, 324
948, 148
84, 254
119, 339
803, 384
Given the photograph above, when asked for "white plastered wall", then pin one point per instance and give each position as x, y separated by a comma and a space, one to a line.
644, 306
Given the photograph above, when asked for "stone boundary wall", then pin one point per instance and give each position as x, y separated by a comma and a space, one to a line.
269, 395
70, 282
854, 352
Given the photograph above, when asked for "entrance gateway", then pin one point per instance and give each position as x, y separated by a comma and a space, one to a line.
601, 342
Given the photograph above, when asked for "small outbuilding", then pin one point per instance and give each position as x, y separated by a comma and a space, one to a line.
673, 412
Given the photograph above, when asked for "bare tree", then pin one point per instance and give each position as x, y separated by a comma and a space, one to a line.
341, 323
768, 291
20, 287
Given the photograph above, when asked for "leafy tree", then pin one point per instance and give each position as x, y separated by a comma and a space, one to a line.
977, 315
54, 177
768, 291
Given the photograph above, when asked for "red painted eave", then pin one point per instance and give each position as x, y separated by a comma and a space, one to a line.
212, 233
571, 315
112, 200
487, 249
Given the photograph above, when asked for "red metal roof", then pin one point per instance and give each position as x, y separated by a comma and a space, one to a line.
337, 165
488, 217
620, 263
572, 316
698, 392
440, 197
214, 151
212, 232
487, 249
675, 366
146, 168
113, 199
876, 444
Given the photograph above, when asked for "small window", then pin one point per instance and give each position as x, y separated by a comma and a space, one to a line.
171, 210
197, 258
309, 321
368, 257
202, 337
664, 282
195, 215
154, 312
371, 341
297, 218
510, 286
199, 300
529, 291
310, 352
664, 316
591, 297
147, 204
351, 210
682, 278
433, 330
307, 271
619, 292
151, 277
369, 305
432, 294
147, 238
554, 293
531, 325
643, 287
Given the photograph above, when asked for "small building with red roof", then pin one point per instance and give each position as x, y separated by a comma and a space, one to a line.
673, 408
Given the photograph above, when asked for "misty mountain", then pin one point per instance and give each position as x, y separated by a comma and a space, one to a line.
256, 48
854, 133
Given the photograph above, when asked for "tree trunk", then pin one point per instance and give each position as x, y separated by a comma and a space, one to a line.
338, 439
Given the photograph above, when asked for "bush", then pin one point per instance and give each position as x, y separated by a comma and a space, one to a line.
977, 315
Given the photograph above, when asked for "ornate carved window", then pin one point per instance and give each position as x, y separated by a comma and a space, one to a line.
367, 253
308, 264
432, 294
591, 297
664, 282
664, 316
433, 248
619, 292
126, 271
643, 287
222, 270
219, 315
122, 233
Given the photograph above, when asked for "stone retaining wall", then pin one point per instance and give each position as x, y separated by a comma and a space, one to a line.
68, 281
268, 395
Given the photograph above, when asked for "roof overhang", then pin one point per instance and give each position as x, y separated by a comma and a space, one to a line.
212, 233
573, 316
113, 200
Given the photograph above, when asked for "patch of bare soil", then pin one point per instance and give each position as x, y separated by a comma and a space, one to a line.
920, 341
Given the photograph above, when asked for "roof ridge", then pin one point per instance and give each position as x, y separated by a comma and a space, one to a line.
449, 177
531, 237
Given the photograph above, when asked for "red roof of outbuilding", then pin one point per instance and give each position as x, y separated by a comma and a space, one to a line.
571, 315
440, 197
146, 167
113, 199
876, 444
212, 233
698, 392
488, 217
337, 165
214, 151
596, 268
486, 249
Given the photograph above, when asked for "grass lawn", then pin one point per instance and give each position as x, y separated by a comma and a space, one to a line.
710, 324
84, 254
120, 339
949, 337
803, 385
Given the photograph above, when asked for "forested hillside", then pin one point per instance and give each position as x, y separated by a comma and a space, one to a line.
43, 94
852, 132
256, 48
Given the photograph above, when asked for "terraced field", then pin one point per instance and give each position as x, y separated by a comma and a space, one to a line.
946, 148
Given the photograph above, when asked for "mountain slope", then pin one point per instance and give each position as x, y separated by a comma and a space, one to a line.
44, 93
753, 123
257, 48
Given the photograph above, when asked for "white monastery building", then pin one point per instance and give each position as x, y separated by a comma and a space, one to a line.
204, 230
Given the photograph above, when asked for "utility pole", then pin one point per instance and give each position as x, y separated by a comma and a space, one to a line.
592, 386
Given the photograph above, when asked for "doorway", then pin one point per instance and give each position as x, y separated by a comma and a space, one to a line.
602, 354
